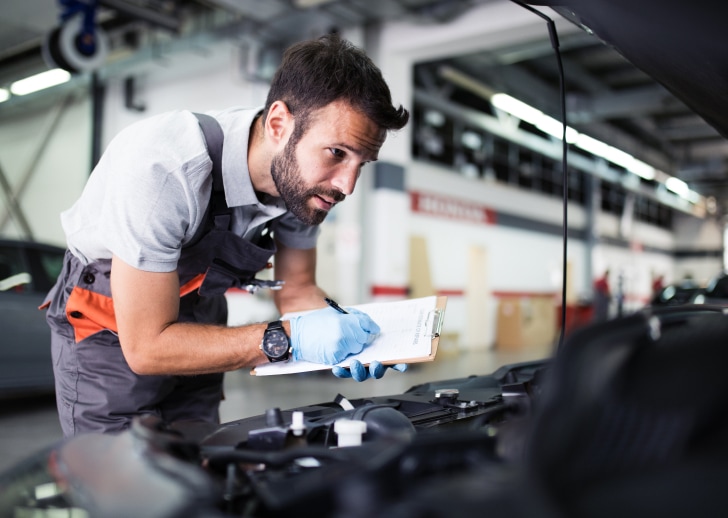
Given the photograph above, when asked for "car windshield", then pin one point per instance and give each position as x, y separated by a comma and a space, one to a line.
13, 271
29, 267
51, 263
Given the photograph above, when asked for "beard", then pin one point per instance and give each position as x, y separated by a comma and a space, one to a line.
293, 191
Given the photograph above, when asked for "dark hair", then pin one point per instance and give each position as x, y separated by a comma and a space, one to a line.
318, 72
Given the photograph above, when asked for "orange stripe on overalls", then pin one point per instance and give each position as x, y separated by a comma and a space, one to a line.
90, 312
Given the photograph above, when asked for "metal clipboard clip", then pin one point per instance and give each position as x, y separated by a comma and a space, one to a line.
436, 316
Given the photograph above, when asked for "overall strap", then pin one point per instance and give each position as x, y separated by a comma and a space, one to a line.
218, 215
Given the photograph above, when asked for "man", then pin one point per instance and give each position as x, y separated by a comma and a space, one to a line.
137, 314
602, 297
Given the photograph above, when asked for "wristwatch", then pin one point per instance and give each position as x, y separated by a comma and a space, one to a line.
276, 345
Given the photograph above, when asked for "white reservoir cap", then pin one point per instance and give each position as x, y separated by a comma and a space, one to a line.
349, 432
297, 424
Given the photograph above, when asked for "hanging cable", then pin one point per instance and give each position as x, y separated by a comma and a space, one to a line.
565, 146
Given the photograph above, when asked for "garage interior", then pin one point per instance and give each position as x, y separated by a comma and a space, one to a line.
477, 213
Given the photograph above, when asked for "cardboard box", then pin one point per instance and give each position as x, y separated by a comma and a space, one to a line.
526, 321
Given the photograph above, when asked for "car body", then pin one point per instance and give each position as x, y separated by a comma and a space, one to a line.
27, 272
677, 294
625, 420
716, 292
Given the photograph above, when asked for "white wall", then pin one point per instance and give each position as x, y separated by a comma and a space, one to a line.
200, 79
696, 238
62, 164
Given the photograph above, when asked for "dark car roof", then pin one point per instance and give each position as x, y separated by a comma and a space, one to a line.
18, 243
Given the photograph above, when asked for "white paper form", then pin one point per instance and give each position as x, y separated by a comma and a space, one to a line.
405, 334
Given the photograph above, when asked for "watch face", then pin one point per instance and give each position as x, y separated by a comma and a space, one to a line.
275, 344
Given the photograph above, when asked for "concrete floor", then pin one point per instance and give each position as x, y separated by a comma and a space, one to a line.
27, 425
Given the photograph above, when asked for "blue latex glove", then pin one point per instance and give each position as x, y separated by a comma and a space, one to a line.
327, 336
358, 372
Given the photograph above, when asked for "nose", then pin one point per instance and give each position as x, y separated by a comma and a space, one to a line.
345, 180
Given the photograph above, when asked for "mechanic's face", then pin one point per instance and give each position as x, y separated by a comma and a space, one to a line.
316, 171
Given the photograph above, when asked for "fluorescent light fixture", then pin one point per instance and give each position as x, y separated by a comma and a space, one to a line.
552, 127
40, 81
518, 108
619, 157
678, 187
592, 145
642, 169
4, 95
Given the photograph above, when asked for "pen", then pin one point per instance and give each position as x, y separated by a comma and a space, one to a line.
334, 305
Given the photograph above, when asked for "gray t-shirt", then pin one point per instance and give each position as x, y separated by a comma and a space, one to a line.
148, 194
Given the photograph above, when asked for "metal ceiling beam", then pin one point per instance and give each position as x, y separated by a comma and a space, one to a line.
520, 83
254, 9
640, 101
580, 78
542, 48
691, 131
138, 12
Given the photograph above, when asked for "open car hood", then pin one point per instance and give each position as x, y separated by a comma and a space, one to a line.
680, 44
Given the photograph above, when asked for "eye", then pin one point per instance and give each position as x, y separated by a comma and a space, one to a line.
338, 153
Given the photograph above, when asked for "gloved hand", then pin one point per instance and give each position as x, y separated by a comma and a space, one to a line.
360, 373
327, 336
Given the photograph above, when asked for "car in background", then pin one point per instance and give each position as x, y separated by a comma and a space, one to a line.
716, 292
689, 292
678, 294
28, 270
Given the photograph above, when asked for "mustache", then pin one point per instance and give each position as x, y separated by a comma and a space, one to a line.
337, 196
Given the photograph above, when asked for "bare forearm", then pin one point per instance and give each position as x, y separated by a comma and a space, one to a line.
189, 348
300, 299
298, 269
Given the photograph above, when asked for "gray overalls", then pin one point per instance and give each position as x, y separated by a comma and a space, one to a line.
96, 391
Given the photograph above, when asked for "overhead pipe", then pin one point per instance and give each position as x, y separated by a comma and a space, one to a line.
148, 15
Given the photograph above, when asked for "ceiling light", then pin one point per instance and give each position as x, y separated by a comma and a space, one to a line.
4, 95
618, 157
630, 163
692, 196
642, 169
518, 108
552, 127
592, 145
40, 81
678, 187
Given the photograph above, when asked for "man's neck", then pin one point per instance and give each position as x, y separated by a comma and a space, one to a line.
259, 159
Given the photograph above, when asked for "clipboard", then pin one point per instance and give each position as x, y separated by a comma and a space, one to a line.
408, 327
435, 319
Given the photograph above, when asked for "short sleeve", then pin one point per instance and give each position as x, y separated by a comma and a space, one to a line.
293, 233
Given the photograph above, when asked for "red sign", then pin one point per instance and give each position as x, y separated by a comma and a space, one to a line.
453, 208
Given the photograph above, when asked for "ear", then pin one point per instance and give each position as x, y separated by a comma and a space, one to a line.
278, 123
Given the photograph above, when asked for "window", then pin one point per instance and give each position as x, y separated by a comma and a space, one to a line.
13, 270
469, 150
